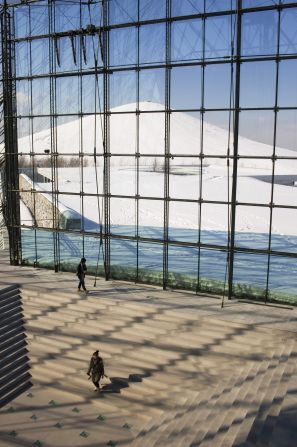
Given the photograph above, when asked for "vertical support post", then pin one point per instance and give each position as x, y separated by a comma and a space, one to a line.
106, 139
137, 155
167, 143
12, 201
235, 148
53, 124
274, 158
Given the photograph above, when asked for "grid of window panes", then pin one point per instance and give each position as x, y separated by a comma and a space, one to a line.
156, 138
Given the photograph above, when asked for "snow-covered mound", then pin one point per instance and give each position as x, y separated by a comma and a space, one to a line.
185, 131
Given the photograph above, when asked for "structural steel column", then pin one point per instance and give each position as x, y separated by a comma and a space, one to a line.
106, 140
235, 148
11, 206
167, 144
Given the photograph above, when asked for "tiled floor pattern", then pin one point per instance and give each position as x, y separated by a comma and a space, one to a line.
207, 379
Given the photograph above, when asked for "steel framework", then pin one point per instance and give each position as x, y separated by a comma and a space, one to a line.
102, 68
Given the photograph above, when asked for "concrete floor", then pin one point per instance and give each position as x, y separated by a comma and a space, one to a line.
209, 376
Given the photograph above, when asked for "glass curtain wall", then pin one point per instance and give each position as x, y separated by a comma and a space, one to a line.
158, 140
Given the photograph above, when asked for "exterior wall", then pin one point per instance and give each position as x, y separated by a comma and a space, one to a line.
43, 211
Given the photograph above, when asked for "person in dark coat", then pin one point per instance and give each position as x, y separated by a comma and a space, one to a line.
96, 369
80, 273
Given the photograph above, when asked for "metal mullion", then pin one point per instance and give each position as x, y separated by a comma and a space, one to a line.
106, 139
81, 154
273, 156
31, 129
201, 155
235, 149
167, 146
137, 148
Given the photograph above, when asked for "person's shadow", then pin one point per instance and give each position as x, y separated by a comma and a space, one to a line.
117, 383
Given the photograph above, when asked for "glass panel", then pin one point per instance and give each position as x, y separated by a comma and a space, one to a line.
218, 37
282, 279
122, 49
288, 37
21, 21
40, 56
123, 90
40, 96
257, 85
44, 248
67, 58
215, 180
151, 133
252, 227
71, 251
254, 182
123, 259
122, 216
285, 182
90, 186
152, 89
220, 5
92, 87
186, 7
68, 89
185, 134
186, 40
152, 43
283, 232
250, 275
68, 136
23, 128
255, 3
181, 267
123, 134
184, 178
214, 223
70, 178
259, 33
92, 216
150, 263
183, 221
91, 135
28, 246
41, 134
186, 88
287, 86
152, 9
256, 129
94, 255
23, 98
123, 176
217, 86
151, 218
151, 177
216, 137
22, 52
212, 269
67, 18
286, 135
71, 211
122, 12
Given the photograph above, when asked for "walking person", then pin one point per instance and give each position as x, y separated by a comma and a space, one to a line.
80, 273
96, 369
